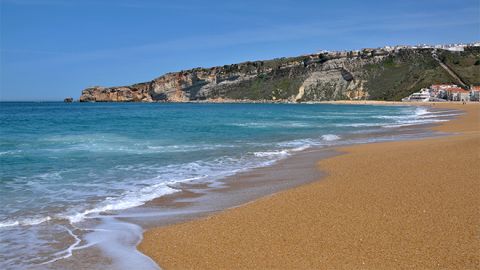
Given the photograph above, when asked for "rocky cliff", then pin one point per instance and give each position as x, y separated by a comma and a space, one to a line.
370, 73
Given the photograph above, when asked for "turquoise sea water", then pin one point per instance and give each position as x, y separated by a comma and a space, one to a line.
62, 164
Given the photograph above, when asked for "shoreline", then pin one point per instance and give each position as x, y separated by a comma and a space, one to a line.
109, 239
186, 255
238, 101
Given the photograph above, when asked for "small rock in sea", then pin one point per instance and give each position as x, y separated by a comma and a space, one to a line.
68, 100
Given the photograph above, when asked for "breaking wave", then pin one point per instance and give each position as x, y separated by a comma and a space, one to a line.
330, 137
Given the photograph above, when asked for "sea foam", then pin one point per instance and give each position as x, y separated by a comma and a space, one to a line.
330, 137
88, 162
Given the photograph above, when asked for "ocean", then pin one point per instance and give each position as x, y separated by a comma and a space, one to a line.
66, 168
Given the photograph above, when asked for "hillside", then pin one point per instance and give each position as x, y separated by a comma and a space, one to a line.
378, 74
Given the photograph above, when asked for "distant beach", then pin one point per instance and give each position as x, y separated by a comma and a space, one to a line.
404, 204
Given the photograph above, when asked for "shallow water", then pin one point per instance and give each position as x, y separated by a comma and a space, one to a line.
64, 165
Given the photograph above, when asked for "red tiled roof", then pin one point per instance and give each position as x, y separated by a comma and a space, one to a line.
442, 84
476, 88
457, 90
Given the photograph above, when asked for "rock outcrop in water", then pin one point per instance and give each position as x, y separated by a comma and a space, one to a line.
369, 73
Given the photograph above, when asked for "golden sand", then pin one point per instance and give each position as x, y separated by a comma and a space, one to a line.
396, 205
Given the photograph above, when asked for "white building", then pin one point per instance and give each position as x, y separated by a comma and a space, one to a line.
475, 93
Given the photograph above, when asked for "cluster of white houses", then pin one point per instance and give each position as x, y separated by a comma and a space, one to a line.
445, 92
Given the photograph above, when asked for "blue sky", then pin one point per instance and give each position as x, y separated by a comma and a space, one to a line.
51, 49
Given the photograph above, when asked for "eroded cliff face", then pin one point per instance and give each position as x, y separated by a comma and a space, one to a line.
315, 77
135, 93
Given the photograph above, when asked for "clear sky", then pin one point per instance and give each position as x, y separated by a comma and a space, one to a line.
51, 49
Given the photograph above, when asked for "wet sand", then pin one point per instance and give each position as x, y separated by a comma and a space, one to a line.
395, 205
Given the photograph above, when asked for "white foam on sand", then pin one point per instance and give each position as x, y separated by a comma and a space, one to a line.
118, 240
128, 200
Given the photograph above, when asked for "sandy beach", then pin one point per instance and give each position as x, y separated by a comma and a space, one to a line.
394, 205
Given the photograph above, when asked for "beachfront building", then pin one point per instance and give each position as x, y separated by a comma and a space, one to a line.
441, 90
458, 94
444, 92
475, 93
422, 96
425, 95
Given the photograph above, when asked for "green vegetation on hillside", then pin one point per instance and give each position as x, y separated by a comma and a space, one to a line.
384, 75
465, 64
397, 76
406, 72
